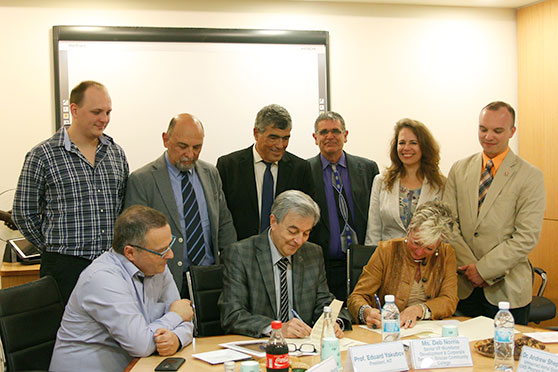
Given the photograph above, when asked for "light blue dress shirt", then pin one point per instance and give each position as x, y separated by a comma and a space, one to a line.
176, 183
112, 315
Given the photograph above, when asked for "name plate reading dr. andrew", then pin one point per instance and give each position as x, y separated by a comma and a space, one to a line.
535, 360
445, 352
383, 357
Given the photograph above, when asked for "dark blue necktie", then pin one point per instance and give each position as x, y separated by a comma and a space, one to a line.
267, 197
194, 232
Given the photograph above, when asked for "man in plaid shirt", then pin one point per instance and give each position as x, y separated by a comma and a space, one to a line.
71, 189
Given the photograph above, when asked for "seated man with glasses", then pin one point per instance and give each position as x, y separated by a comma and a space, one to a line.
126, 303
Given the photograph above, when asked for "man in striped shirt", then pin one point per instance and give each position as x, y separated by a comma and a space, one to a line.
71, 189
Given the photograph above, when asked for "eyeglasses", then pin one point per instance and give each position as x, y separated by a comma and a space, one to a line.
160, 254
302, 348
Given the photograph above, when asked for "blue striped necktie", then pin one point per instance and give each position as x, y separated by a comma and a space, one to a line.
195, 243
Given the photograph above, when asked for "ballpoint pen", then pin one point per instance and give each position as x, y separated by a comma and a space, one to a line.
378, 301
295, 314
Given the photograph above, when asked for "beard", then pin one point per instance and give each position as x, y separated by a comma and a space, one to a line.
184, 167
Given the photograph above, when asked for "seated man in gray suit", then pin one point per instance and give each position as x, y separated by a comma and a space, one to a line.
278, 275
499, 200
188, 192
343, 200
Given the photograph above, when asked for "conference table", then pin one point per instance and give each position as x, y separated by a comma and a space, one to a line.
480, 363
16, 273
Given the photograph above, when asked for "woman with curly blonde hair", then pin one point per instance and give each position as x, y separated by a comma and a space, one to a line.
412, 179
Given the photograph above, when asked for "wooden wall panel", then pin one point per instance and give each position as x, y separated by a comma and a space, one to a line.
537, 39
537, 46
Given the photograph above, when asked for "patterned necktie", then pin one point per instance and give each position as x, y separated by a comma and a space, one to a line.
486, 180
195, 243
284, 291
267, 196
348, 235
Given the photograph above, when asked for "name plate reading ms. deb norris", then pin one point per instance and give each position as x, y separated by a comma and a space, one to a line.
535, 360
383, 357
445, 352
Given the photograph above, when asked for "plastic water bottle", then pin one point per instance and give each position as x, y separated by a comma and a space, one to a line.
390, 320
276, 350
503, 338
330, 343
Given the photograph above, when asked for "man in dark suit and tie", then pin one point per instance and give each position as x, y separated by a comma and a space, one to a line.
188, 192
343, 183
253, 176
277, 275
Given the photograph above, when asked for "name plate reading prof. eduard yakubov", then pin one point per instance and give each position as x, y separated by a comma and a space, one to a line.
382, 357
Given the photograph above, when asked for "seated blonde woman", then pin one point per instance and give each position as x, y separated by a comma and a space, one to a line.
420, 270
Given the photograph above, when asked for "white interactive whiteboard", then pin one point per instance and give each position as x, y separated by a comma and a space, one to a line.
222, 76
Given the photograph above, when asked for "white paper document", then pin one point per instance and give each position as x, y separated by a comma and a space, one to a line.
344, 344
252, 347
478, 328
544, 337
316, 334
423, 328
221, 356
475, 329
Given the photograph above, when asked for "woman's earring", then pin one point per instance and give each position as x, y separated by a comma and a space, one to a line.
436, 252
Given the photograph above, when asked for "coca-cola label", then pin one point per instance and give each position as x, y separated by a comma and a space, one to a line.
277, 361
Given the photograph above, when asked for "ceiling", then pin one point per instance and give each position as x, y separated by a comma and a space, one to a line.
468, 3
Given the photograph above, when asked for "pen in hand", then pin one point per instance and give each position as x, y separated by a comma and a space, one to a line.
295, 314
379, 307
378, 302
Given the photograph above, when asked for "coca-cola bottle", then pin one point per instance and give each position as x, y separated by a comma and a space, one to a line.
276, 350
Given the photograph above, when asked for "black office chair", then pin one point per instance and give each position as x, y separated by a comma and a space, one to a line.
541, 308
358, 256
30, 315
206, 285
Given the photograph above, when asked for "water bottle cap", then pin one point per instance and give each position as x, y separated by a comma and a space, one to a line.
504, 305
276, 324
327, 309
389, 298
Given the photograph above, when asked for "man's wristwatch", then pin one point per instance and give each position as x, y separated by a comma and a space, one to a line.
341, 323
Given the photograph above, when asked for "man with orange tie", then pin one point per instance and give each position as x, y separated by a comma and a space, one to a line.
499, 200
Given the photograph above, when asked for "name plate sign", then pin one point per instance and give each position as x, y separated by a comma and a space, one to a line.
382, 357
535, 360
328, 365
445, 352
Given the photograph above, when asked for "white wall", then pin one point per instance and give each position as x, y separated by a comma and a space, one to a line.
435, 64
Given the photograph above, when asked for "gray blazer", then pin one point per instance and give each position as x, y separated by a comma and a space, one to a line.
150, 185
248, 302
507, 227
384, 220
